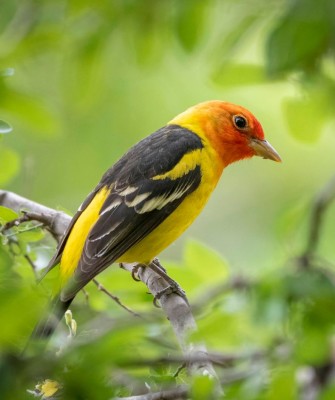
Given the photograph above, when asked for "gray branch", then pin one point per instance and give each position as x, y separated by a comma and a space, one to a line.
55, 222
174, 306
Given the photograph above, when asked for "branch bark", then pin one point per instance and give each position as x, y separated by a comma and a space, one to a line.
55, 222
321, 203
175, 307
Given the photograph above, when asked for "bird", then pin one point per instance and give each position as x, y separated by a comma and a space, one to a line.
151, 195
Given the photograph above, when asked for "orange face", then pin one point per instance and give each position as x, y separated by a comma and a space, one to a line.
232, 130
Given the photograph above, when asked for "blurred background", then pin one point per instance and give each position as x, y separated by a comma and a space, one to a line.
80, 84
81, 81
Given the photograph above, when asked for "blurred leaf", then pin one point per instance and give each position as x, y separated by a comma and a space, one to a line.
302, 36
7, 214
317, 284
30, 233
202, 388
33, 112
329, 392
7, 72
9, 165
20, 305
5, 127
283, 384
306, 116
312, 347
237, 33
191, 15
205, 262
230, 75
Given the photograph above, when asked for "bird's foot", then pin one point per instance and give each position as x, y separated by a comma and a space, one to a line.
172, 288
134, 272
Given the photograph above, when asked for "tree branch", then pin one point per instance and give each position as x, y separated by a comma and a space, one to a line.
54, 221
321, 203
175, 307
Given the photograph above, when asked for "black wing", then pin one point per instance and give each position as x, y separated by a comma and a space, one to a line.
137, 204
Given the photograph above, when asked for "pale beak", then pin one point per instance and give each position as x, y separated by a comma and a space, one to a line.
264, 149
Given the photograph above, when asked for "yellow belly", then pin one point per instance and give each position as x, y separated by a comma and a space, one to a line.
176, 223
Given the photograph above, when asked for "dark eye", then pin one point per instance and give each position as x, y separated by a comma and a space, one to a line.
240, 122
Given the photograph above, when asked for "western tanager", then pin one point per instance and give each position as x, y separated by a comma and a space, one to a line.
147, 199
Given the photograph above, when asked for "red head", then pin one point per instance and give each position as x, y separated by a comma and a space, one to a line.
232, 130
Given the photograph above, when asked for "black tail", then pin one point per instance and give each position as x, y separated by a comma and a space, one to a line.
47, 325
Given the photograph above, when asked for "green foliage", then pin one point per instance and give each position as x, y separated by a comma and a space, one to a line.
203, 387
5, 127
303, 36
190, 23
7, 214
274, 327
90, 80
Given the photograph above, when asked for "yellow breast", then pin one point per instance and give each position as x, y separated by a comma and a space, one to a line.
176, 223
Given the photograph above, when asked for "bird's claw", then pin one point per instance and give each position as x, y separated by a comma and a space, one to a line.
172, 288
134, 272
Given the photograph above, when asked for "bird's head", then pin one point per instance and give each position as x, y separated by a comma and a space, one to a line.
232, 131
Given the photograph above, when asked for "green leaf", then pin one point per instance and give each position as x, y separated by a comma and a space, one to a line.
35, 114
9, 165
190, 22
313, 347
205, 262
283, 384
329, 392
301, 37
7, 214
238, 32
307, 114
202, 388
5, 127
32, 235
7, 72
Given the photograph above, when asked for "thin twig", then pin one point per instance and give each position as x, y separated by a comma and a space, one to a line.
86, 295
179, 369
321, 203
238, 282
223, 360
25, 255
31, 263
182, 392
25, 217
102, 289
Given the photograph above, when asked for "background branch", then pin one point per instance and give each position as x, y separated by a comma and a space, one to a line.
321, 203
